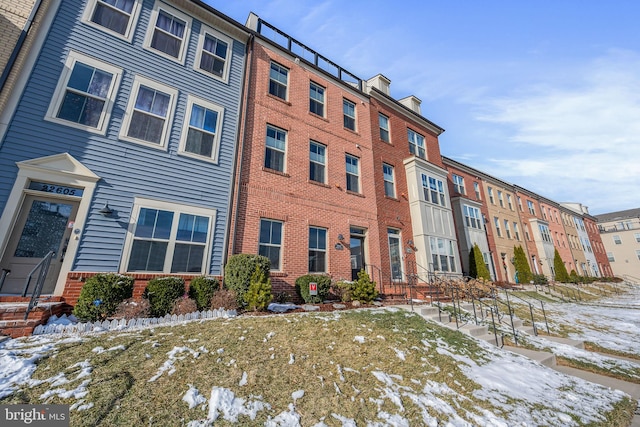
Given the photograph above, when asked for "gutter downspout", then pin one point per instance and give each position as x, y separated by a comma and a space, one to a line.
19, 43
242, 126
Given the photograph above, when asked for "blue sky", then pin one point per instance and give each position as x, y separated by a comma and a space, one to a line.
542, 94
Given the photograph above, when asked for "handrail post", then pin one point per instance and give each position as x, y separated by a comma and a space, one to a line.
495, 330
533, 322
453, 297
544, 313
3, 277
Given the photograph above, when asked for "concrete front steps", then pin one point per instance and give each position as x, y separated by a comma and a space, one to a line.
13, 309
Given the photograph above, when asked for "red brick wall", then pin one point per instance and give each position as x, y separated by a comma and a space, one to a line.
598, 248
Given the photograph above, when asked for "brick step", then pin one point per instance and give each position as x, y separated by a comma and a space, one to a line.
12, 321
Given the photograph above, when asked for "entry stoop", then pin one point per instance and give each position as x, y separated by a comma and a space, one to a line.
13, 309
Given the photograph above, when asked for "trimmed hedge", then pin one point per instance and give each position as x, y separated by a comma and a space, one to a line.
240, 269
302, 287
202, 289
162, 292
101, 295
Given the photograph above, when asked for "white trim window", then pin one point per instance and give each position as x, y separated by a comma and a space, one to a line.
201, 131
275, 148
149, 113
442, 254
500, 199
458, 183
316, 99
507, 229
472, 217
509, 201
85, 93
213, 56
516, 231
168, 32
395, 253
169, 238
389, 181
433, 190
476, 188
496, 222
353, 173
416, 144
278, 80
531, 207
270, 242
617, 240
349, 113
491, 199
317, 162
117, 17
545, 233
317, 250
383, 122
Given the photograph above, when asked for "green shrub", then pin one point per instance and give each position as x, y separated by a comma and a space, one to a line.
202, 289
477, 267
573, 277
522, 265
302, 287
101, 295
540, 279
258, 296
364, 290
342, 289
162, 292
240, 269
559, 267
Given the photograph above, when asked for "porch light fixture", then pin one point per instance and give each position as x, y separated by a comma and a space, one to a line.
106, 210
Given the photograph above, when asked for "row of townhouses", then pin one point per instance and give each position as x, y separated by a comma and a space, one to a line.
158, 138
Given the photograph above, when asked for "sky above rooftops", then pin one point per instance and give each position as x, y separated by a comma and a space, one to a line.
544, 94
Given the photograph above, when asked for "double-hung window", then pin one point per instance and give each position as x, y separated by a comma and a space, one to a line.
472, 217
383, 122
200, 134
532, 209
317, 250
389, 186
114, 16
458, 184
278, 80
507, 228
491, 199
85, 93
617, 240
509, 202
168, 32
500, 199
275, 148
516, 231
545, 233
316, 99
433, 190
416, 144
149, 113
353, 173
442, 254
395, 253
476, 188
496, 222
270, 244
349, 114
169, 238
212, 57
317, 162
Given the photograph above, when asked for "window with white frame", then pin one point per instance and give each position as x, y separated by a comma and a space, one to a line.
353, 173
395, 253
317, 162
168, 32
149, 113
516, 231
316, 99
213, 53
383, 122
500, 199
638, 255
637, 236
442, 254
507, 228
520, 203
610, 257
349, 114
491, 199
169, 238
458, 183
509, 202
275, 148
544, 212
85, 93
200, 134
496, 222
526, 232
476, 188
416, 144
545, 233
389, 185
433, 190
472, 217
617, 240
115, 16
270, 242
532, 209
317, 250
278, 80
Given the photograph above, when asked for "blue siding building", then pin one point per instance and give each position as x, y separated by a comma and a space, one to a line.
120, 151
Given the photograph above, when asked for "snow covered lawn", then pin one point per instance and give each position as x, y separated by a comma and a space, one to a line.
351, 368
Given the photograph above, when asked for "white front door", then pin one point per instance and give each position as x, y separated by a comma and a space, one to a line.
44, 224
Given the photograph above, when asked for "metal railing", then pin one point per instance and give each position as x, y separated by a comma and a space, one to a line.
531, 308
43, 268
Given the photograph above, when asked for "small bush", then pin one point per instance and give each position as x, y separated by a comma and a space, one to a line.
282, 297
225, 299
240, 269
184, 305
202, 289
540, 279
342, 289
302, 287
364, 290
133, 308
258, 296
101, 295
162, 293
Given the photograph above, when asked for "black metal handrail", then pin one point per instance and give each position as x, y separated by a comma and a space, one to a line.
544, 312
43, 266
